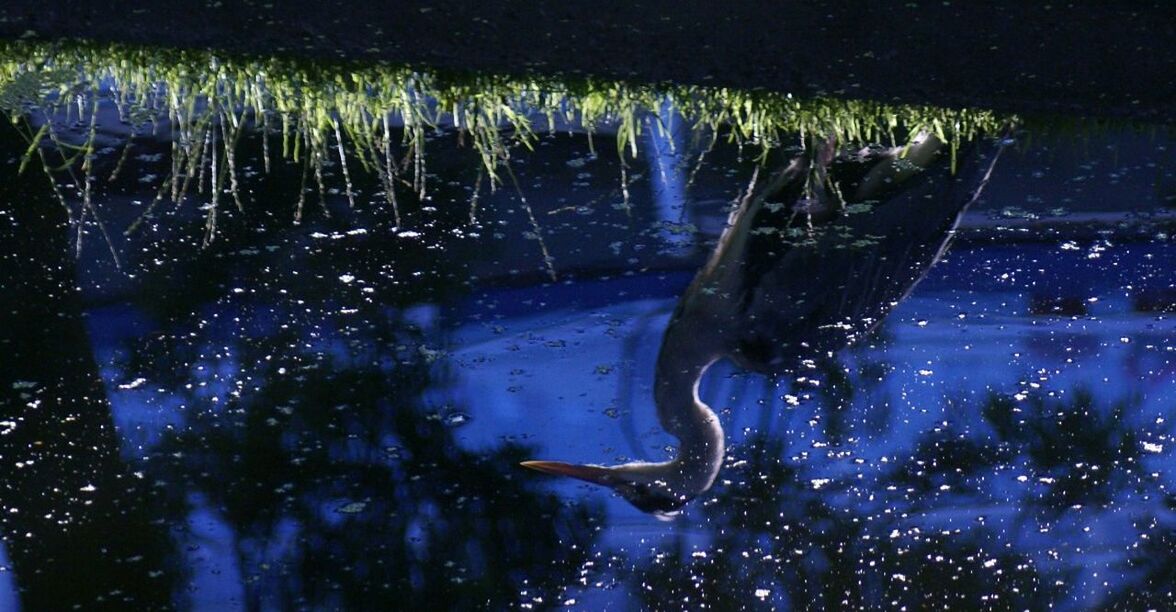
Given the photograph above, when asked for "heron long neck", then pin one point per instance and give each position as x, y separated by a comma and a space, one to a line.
684, 358
697, 337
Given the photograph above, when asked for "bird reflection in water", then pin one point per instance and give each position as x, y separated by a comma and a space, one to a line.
812, 259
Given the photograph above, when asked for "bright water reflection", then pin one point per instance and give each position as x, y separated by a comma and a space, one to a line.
331, 414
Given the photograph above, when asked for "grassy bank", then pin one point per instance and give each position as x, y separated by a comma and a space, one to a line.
374, 117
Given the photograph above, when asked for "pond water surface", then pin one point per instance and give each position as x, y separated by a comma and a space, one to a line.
945, 369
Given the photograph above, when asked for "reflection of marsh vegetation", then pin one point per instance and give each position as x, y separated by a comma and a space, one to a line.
378, 117
337, 484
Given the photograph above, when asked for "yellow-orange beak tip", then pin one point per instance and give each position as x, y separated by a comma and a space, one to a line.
589, 473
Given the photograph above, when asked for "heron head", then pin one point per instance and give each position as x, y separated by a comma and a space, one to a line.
649, 487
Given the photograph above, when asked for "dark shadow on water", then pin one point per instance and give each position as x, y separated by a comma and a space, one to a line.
1089, 453
341, 483
935, 529
80, 527
342, 490
797, 547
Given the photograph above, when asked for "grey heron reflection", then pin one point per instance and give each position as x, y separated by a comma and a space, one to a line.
813, 257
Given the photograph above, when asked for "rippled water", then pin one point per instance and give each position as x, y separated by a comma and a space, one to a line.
332, 413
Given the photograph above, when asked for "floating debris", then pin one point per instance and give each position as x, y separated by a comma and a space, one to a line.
352, 508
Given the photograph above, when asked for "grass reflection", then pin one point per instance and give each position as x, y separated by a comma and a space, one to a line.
377, 118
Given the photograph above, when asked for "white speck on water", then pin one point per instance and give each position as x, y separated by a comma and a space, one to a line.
133, 384
24, 384
88, 488
819, 482
762, 593
346, 279
1153, 448
457, 419
408, 234
352, 508
990, 563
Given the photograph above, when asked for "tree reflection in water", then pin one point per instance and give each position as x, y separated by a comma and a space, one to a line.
942, 527
342, 485
78, 525
336, 479
832, 548
1151, 571
1087, 454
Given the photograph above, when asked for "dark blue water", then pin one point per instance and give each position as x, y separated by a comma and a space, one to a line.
331, 415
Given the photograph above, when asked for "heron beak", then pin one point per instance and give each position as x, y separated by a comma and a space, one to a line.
588, 473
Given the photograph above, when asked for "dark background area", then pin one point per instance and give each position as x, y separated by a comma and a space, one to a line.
1110, 59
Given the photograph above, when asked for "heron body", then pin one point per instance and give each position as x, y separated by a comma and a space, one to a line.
800, 270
